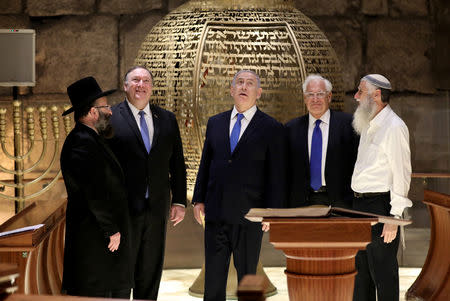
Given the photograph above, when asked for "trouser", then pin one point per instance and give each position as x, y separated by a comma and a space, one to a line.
117, 294
377, 266
318, 198
221, 239
148, 242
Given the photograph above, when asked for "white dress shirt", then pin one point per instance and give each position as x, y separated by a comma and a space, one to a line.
324, 127
248, 115
151, 130
148, 119
384, 160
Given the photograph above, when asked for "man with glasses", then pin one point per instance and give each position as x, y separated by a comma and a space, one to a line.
97, 241
147, 143
322, 149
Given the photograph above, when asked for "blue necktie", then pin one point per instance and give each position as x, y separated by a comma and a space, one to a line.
144, 131
315, 162
234, 137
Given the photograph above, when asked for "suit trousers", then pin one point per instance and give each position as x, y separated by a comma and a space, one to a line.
148, 242
318, 198
115, 294
377, 266
222, 239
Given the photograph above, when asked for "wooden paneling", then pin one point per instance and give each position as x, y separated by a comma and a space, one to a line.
38, 253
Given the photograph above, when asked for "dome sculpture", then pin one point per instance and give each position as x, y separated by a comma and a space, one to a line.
195, 50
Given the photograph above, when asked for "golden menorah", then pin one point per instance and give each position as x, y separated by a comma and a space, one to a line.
20, 154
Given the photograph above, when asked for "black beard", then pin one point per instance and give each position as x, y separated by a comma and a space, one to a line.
104, 127
107, 132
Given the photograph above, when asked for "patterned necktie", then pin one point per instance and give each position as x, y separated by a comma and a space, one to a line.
315, 162
144, 131
234, 137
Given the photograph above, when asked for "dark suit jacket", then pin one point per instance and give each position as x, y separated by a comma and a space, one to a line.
162, 170
97, 208
252, 176
340, 160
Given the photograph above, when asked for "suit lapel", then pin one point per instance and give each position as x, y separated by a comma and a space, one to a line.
303, 131
109, 153
332, 136
102, 143
156, 125
224, 131
252, 126
127, 115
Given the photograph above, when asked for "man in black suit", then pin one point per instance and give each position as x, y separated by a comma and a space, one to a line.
242, 166
322, 147
148, 145
97, 244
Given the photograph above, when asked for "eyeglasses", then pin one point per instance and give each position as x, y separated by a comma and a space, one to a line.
105, 106
145, 81
321, 94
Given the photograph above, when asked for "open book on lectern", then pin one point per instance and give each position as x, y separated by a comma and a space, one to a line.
317, 211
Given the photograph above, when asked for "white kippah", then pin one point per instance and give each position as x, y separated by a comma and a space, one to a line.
378, 80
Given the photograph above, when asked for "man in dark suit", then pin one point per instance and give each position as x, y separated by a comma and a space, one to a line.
97, 244
242, 166
148, 145
322, 147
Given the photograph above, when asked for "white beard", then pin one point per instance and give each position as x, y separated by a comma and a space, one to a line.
365, 111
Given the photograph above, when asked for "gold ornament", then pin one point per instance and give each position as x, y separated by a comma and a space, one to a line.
194, 52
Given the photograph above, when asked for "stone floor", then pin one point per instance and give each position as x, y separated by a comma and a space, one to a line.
175, 283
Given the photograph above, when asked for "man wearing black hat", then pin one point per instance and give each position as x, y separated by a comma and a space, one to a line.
97, 244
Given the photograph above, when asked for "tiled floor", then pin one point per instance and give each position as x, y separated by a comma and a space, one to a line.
175, 283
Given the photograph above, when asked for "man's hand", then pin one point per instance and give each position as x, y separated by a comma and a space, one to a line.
265, 226
389, 232
177, 214
199, 211
114, 242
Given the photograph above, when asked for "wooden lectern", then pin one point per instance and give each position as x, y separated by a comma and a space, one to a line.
38, 252
433, 283
320, 245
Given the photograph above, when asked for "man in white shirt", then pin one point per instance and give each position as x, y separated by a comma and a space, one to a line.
380, 181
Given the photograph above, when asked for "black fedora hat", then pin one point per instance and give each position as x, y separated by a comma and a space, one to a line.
84, 92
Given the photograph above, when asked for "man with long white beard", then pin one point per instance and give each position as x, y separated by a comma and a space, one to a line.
380, 181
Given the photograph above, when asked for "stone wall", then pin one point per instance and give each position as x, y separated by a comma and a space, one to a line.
406, 40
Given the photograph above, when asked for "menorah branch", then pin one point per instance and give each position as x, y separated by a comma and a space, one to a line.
19, 156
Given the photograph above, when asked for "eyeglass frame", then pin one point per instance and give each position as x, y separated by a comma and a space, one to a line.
105, 106
318, 95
